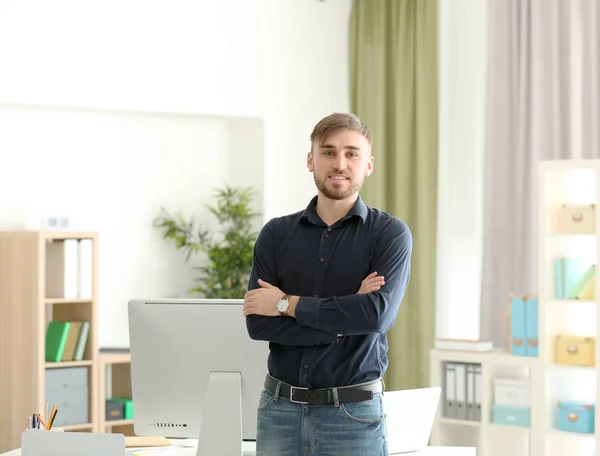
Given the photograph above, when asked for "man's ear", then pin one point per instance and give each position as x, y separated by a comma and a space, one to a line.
309, 162
370, 166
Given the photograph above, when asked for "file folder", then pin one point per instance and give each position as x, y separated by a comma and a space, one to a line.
450, 391
517, 325
461, 391
478, 392
531, 327
471, 392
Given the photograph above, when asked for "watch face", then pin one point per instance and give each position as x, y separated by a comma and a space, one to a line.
283, 305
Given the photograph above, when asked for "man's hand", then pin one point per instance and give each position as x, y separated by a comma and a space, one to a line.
263, 300
371, 283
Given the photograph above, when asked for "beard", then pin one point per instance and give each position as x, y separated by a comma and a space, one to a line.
337, 191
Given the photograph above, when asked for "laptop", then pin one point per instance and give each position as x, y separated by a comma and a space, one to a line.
410, 415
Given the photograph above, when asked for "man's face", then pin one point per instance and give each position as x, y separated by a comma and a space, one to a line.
340, 163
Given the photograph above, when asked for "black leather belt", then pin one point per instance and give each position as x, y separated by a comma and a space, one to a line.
354, 393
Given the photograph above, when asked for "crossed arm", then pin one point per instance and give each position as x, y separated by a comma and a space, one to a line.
317, 321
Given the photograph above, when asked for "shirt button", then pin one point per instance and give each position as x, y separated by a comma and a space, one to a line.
306, 366
304, 376
316, 296
328, 228
322, 260
326, 236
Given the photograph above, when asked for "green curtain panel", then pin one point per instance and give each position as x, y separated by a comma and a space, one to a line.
393, 58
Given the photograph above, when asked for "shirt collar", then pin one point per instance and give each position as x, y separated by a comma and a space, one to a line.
310, 213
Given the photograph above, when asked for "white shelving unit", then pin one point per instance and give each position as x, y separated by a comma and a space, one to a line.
560, 182
490, 439
565, 182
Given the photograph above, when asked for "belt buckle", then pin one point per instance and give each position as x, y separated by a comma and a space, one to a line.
292, 388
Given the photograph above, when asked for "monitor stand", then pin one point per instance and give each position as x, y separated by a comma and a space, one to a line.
221, 426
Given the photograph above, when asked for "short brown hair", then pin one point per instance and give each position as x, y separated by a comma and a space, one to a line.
336, 121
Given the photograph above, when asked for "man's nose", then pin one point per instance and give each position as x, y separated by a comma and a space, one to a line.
340, 162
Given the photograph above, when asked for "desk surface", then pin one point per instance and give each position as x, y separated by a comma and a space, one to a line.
249, 449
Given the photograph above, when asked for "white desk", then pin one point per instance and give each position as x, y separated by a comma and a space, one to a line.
249, 449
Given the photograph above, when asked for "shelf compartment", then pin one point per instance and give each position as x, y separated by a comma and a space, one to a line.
116, 423
65, 301
77, 427
64, 364
456, 422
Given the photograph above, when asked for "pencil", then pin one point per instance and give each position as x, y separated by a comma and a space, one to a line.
40, 420
49, 421
52, 418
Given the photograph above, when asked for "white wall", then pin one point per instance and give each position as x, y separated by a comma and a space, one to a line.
110, 109
112, 172
462, 65
284, 61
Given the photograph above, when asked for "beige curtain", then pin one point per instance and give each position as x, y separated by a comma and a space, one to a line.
393, 55
542, 104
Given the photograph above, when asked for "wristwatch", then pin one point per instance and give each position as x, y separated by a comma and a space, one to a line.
283, 305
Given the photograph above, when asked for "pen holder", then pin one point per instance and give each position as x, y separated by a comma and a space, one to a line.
56, 443
44, 430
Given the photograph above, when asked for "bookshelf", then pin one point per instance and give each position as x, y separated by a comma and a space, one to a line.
114, 382
490, 438
38, 286
566, 187
562, 372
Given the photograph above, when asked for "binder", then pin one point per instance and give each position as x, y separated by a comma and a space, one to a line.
62, 269
71, 342
478, 392
56, 339
567, 272
450, 391
517, 324
470, 392
581, 284
531, 326
461, 391
82, 341
85, 274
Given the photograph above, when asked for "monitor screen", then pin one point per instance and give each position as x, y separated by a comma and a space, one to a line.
186, 357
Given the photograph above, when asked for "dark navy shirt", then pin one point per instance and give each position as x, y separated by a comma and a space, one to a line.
325, 266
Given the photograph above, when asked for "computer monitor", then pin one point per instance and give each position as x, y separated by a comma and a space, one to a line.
195, 372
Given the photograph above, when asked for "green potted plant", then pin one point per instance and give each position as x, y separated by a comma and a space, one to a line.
228, 256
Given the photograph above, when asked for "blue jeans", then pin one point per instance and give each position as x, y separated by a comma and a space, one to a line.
286, 428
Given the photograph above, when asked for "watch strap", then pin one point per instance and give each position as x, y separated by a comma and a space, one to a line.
287, 298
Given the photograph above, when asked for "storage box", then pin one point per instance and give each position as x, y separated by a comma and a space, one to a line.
512, 392
576, 417
68, 388
578, 218
114, 410
511, 416
126, 404
576, 350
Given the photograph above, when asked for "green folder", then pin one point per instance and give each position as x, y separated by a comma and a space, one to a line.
583, 280
56, 338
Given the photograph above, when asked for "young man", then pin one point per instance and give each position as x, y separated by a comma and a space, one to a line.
325, 287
